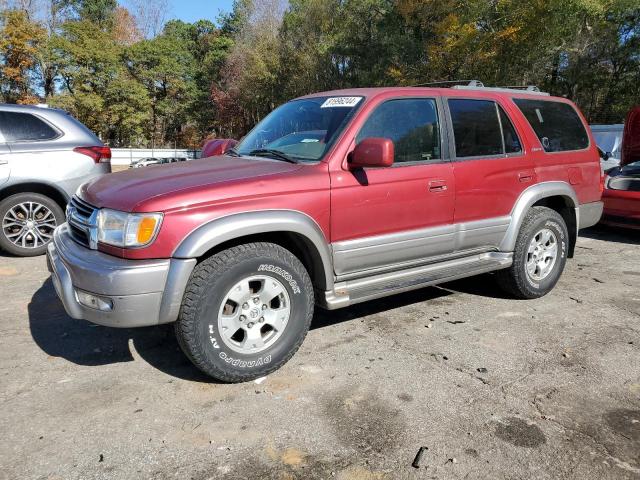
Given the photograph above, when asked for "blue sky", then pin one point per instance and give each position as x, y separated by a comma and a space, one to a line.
192, 10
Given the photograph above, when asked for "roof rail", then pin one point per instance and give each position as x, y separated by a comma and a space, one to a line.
528, 88
452, 83
478, 85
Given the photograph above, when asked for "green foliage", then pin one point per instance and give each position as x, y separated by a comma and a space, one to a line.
20, 40
99, 12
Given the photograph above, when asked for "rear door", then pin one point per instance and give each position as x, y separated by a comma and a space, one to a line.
395, 216
35, 152
491, 169
28, 138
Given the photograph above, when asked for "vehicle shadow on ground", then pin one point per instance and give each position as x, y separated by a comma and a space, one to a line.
326, 318
84, 343
612, 234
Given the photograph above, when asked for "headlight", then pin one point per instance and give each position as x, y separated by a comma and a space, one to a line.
127, 229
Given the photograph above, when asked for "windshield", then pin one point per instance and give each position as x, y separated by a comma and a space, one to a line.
302, 130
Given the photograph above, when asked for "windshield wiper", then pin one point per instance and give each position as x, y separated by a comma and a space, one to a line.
232, 152
261, 152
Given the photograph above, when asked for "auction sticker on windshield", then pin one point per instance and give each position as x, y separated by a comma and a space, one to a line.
341, 102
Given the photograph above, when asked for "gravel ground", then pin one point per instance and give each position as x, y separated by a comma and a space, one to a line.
494, 388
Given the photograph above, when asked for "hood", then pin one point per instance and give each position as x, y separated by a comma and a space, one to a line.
125, 190
631, 137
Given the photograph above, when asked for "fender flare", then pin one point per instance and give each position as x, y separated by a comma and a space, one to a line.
526, 200
15, 186
237, 225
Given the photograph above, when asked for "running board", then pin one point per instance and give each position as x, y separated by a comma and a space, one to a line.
359, 290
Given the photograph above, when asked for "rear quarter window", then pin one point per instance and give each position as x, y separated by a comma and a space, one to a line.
556, 124
24, 127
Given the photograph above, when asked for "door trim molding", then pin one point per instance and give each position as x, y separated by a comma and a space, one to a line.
411, 247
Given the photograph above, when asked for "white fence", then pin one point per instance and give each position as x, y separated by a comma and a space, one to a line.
126, 156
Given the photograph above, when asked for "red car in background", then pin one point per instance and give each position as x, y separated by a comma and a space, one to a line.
622, 186
217, 146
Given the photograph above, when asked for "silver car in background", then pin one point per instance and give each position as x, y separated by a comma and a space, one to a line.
45, 155
609, 140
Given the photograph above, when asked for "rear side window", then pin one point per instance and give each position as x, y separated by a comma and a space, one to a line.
412, 125
24, 127
556, 124
476, 128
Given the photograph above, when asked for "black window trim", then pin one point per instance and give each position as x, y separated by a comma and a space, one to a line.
515, 129
444, 134
535, 135
59, 132
452, 140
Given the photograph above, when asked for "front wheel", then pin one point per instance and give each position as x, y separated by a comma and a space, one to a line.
245, 312
539, 257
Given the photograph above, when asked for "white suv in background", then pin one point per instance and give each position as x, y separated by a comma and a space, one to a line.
45, 154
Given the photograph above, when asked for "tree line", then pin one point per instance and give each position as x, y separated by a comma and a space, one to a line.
137, 80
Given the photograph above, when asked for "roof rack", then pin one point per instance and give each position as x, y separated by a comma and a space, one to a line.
452, 83
478, 85
528, 88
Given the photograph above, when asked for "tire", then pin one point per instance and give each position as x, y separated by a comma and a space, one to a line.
518, 280
16, 214
217, 288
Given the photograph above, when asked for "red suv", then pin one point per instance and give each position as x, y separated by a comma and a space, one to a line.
333, 199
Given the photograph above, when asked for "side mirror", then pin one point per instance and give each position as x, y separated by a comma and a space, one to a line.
372, 152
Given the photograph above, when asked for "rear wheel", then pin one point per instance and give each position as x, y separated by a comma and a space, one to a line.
28, 221
539, 257
245, 312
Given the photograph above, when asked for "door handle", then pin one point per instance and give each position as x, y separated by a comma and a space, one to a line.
4, 162
437, 186
525, 177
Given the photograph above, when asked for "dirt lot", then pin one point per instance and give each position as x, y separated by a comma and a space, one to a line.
494, 388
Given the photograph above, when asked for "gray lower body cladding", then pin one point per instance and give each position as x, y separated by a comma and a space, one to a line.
350, 292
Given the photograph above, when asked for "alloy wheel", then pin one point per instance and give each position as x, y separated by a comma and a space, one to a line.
542, 254
254, 314
29, 225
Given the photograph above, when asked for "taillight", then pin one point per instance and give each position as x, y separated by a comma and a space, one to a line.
99, 154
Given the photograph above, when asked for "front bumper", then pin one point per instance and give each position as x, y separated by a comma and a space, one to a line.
142, 292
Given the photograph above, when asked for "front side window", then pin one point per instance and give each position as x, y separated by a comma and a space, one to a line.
412, 125
476, 128
301, 130
24, 127
556, 124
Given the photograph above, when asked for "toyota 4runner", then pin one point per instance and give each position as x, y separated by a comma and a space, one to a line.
333, 199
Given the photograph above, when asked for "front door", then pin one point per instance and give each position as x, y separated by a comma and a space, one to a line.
398, 216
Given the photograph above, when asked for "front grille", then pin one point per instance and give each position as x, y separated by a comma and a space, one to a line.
81, 218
